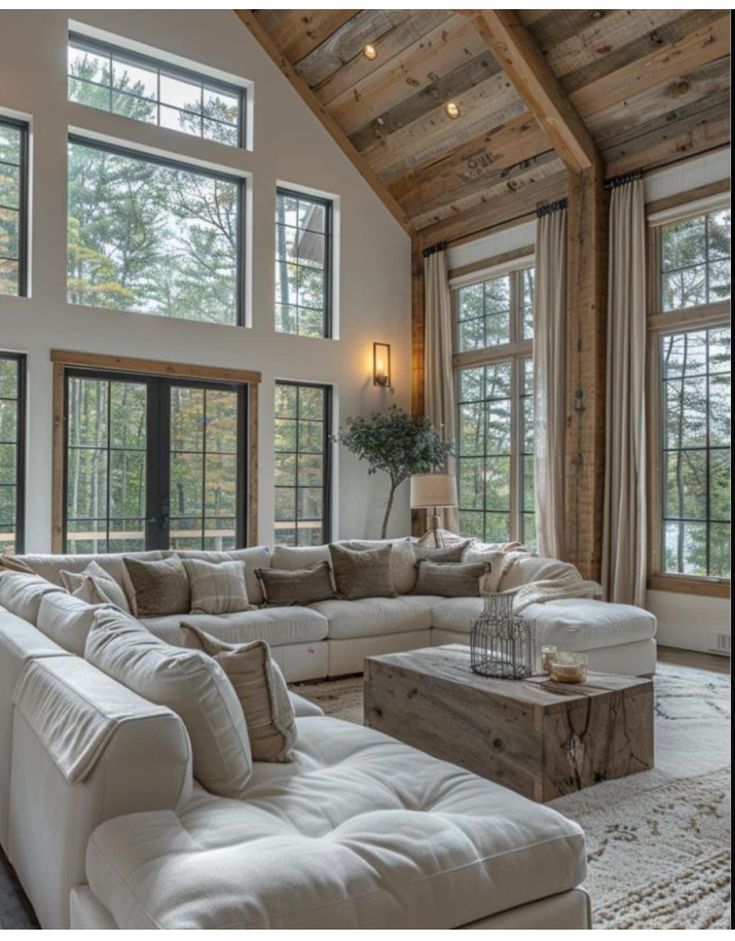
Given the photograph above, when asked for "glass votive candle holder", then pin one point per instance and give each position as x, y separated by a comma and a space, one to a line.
548, 654
569, 668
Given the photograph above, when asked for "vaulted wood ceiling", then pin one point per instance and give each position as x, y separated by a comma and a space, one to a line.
648, 85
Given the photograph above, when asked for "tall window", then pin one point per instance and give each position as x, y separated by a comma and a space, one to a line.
12, 441
153, 236
494, 365
13, 206
690, 341
303, 264
152, 91
153, 463
302, 418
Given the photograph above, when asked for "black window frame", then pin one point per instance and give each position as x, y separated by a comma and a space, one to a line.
328, 205
20, 444
158, 411
327, 452
161, 66
24, 204
175, 164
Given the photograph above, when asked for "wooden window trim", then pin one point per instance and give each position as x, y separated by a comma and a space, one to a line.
61, 359
658, 323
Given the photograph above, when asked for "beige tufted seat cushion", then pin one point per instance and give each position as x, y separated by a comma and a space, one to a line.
358, 831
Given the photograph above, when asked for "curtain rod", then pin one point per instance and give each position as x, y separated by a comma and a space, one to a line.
432, 249
551, 207
614, 181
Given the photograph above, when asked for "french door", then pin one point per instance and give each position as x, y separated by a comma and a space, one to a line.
153, 463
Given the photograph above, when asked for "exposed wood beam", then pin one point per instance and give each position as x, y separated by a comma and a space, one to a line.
512, 45
310, 99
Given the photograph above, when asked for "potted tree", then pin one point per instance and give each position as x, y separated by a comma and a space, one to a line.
398, 444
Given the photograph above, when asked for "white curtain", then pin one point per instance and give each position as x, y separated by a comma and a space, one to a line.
438, 372
549, 380
624, 520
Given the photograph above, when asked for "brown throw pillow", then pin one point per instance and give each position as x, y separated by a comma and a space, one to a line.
362, 573
217, 587
260, 687
14, 564
444, 554
282, 587
451, 579
161, 587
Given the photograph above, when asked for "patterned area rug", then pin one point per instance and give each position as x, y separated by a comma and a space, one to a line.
658, 842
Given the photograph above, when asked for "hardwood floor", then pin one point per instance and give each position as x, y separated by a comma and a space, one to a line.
694, 658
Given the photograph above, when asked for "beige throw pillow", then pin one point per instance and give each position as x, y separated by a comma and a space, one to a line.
190, 683
161, 587
362, 573
95, 586
217, 587
260, 687
453, 553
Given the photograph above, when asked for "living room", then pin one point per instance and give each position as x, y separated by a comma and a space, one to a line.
364, 469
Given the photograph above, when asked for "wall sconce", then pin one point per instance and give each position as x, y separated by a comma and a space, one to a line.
381, 365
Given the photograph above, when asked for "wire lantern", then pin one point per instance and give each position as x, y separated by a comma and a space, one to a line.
502, 644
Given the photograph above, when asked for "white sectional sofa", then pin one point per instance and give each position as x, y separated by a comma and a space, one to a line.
332, 638
358, 831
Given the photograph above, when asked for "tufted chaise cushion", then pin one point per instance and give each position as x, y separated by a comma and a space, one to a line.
358, 831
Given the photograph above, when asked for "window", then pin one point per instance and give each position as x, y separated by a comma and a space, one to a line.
113, 79
12, 441
690, 348
303, 264
153, 236
152, 463
494, 365
13, 206
302, 473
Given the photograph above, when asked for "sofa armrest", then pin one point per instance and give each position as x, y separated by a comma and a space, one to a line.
303, 707
85, 749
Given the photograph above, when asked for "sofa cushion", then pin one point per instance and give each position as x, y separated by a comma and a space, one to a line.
217, 587
402, 560
362, 573
299, 557
254, 557
190, 683
296, 586
571, 624
359, 831
371, 617
277, 626
67, 620
22, 594
160, 587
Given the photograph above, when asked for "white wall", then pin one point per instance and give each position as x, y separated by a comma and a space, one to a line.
289, 145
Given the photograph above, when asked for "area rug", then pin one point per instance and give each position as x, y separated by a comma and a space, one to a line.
657, 842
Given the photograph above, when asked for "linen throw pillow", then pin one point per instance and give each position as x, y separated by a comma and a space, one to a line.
190, 683
364, 573
451, 579
402, 560
297, 586
260, 687
452, 553
95, 586
217, 587
160, 586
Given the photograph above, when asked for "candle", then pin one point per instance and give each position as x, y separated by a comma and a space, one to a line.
569, 668
548, 655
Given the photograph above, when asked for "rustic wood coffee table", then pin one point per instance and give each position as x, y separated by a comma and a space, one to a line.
540, 738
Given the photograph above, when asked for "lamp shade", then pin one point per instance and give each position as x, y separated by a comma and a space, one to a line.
431, 490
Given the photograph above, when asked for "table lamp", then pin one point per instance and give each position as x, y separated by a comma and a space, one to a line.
431, 492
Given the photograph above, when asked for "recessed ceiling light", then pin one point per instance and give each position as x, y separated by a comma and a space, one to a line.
369, 51
452, 109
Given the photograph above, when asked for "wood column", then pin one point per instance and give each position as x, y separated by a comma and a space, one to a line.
418, 393
586, 343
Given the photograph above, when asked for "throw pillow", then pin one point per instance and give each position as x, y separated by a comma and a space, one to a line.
297, 586
95, 586
260, 687
14, 564
364, 573
190, 683
402, 560
452, 553
161, 587
217, 587
450, 580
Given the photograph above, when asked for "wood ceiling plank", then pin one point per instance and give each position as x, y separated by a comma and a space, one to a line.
303, 30
695, 50
550, 27
347, 42
388, 44
441, 51
500, 210
511, 44
477, 70
488, 104
308, 97
512, 180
